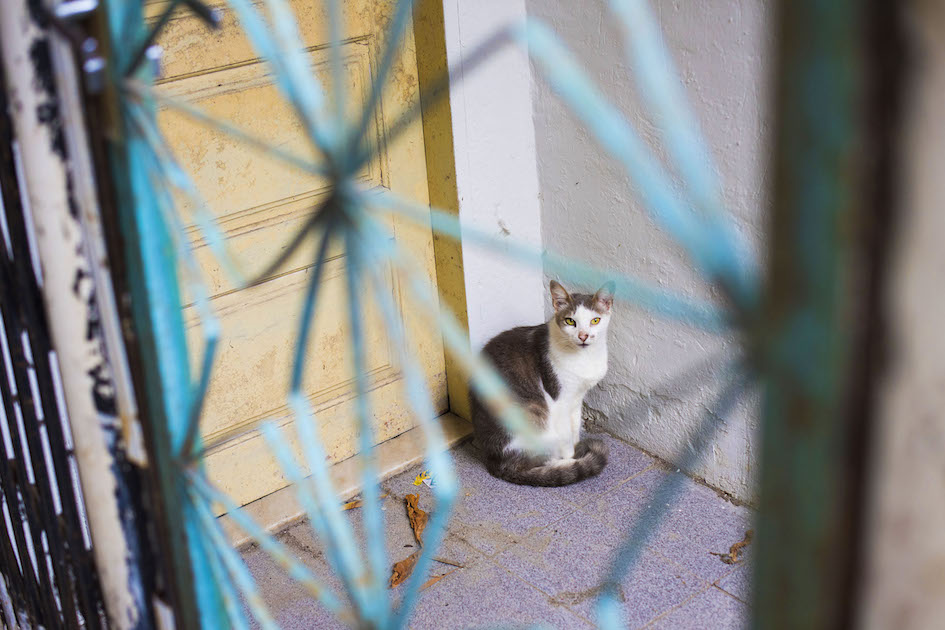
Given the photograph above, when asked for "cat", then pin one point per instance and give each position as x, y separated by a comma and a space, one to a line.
549, 368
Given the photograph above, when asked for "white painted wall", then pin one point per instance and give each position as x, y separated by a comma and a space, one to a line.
496, 176
653, 394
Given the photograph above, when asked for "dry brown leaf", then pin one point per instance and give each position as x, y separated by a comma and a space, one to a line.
437, 578
737, 547
418, 518
403, 569
732, 556
350, 505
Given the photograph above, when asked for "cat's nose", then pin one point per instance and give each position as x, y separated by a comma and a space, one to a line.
582, 336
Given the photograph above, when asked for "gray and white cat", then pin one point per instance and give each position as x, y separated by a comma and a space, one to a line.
549, 368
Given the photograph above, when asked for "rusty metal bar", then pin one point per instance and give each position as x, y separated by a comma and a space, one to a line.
820, 332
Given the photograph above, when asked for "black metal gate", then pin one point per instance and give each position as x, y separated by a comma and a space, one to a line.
46, 563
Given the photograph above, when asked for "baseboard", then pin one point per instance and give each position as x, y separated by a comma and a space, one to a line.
278, 510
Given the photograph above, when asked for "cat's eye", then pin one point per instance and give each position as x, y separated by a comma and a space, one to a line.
569, 321
595, 321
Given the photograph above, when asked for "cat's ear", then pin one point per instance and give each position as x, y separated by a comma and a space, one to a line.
559, 297
604, 298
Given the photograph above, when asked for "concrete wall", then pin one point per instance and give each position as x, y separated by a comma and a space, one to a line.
496, 178
662, 375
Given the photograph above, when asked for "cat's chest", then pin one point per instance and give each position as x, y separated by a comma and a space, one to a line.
577, 373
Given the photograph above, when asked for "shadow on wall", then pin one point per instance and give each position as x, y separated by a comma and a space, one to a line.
676, 404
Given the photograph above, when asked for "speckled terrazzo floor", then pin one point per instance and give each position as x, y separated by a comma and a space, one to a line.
537, 555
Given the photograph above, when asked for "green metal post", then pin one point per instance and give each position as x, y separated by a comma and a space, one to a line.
163, 377
820, 326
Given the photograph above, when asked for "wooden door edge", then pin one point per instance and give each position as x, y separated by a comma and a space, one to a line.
432, 67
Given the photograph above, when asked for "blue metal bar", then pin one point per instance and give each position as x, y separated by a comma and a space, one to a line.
629, 289
231, 599
394, 35
438, 461
208, 320
323, 510
296, 570
234, 564
198, 393
291, 69
339, 88
484, 379
326, 519
156, 309
379, 604
298, 72
308, 311
143, 91
208, 323
168, 386
709, 251
661, 89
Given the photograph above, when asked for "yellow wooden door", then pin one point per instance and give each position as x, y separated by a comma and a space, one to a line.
259, 204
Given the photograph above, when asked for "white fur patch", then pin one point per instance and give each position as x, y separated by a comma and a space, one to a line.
578, 368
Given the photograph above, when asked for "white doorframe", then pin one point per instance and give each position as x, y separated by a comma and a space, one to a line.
496, 166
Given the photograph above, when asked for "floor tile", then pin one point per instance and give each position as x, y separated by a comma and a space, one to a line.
548, 557
695, 524
291, 606
488, 596
300, 540
569, 561
738, 583
399, 537
710, 609
491, 514
623, 463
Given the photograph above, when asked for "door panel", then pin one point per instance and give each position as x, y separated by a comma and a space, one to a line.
259, 204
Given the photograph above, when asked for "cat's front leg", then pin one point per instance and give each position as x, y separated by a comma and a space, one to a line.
576, 421
566, 449
564, 446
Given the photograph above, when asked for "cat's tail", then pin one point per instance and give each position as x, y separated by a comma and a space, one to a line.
590, 458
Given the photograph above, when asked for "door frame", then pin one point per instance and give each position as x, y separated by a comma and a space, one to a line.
488, 178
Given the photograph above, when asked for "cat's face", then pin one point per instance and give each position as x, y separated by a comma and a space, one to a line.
582, 319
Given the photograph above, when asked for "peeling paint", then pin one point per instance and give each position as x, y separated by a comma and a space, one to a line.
33, 69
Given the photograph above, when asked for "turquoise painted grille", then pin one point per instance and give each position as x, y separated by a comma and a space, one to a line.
693, 216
